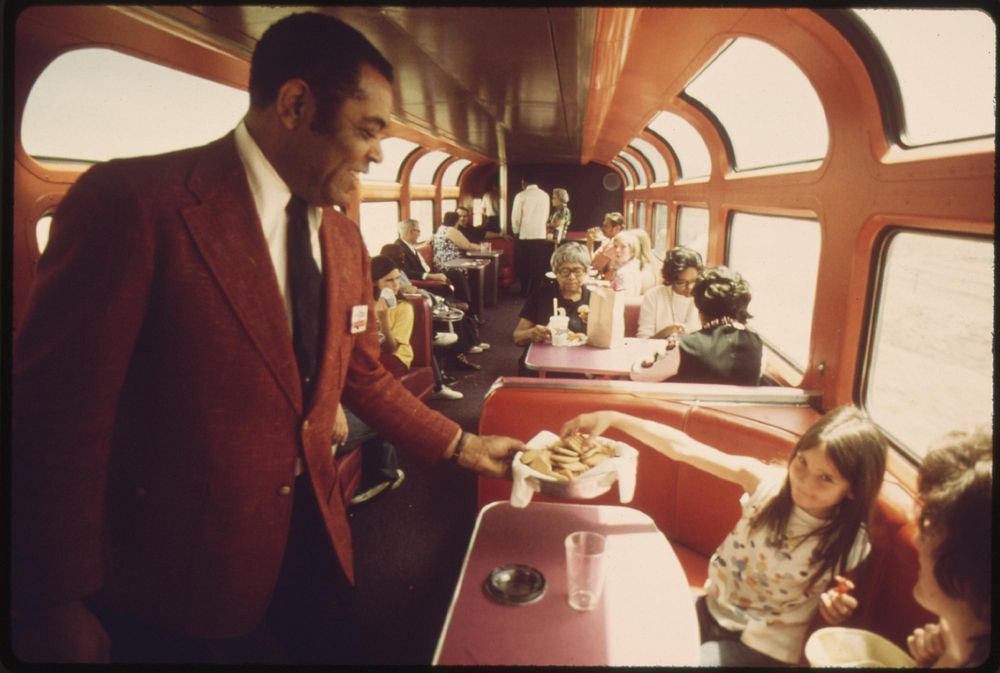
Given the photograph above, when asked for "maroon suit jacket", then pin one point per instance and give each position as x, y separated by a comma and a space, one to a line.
157, 410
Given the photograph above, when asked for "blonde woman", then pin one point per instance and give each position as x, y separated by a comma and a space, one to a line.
647, 261
628, 264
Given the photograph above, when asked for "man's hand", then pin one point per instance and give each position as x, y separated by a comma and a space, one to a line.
489, 455
340, 429
67, 633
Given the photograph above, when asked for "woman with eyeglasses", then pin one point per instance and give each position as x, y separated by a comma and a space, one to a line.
569, 263
669, 308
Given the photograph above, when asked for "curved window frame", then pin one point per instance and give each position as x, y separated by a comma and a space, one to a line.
431, 163
452, 173
74, 110
729, 87
385, 170
640, 171
694, 161
897, 78
656, 161
627, 172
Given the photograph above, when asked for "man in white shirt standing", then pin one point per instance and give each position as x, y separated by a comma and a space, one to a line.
528, 217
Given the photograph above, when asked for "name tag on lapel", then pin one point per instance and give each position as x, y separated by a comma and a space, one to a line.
359, 318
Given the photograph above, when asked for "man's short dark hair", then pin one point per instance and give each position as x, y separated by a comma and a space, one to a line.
323, 51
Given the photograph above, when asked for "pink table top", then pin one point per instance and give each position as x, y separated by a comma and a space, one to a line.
645, 618
613, 362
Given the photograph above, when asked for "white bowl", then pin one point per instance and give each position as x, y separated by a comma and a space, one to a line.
621, 467
854, 648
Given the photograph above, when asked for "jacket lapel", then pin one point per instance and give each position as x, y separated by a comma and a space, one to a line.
226, 229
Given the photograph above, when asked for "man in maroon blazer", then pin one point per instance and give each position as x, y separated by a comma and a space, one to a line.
172, 464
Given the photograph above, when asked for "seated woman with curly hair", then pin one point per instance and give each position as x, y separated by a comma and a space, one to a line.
955, 580
724, 350
669, 308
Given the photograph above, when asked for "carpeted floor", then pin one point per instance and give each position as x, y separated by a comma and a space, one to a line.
410, 542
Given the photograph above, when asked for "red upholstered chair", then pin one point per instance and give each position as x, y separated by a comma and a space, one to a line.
507, 261
632, 316
419, 380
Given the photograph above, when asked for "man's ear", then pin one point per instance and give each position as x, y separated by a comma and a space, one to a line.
293, 103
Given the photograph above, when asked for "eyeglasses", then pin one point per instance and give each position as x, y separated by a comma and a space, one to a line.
684, 283
566, 273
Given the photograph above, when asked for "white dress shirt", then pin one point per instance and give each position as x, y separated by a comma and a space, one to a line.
529, 213
270, 197
423, 262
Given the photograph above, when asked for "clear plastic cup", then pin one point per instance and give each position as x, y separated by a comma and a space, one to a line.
559, 329
586, 567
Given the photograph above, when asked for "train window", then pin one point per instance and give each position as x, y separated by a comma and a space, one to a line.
626, 172
944, 61
422, 211
693, 159
765, 104
692, 229
426, 167
477, 212
42, 232
640, 215
930, 367
448, 205
394, 152
451, 174
783, 292
77, 110
629, 214
660, 233
379, 224
661, 173
640, 171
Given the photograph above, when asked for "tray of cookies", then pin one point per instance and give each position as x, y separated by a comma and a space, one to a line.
575, 467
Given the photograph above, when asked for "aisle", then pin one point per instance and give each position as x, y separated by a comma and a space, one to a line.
410, 542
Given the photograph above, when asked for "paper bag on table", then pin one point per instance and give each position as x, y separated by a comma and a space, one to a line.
606, 321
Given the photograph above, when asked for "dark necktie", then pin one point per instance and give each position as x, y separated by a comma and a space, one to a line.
305, 286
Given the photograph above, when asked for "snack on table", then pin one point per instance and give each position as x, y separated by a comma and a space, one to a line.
568, 457
574, 338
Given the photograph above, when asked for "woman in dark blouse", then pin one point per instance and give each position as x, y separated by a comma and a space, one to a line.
724, 350
569, 263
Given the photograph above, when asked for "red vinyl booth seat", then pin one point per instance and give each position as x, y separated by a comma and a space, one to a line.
696, 510
419, 380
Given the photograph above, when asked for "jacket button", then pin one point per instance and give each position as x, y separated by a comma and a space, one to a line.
284, 490
305, 425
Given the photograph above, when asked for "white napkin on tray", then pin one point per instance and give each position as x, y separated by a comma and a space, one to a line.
527, 481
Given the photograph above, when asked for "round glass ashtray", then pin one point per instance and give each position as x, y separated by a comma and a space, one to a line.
515, 584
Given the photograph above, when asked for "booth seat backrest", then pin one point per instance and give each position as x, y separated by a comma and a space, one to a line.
427, 252
696, 510
419, 380
632, 316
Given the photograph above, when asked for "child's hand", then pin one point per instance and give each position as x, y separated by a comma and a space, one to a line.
836, 604
926, 645
594, 423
